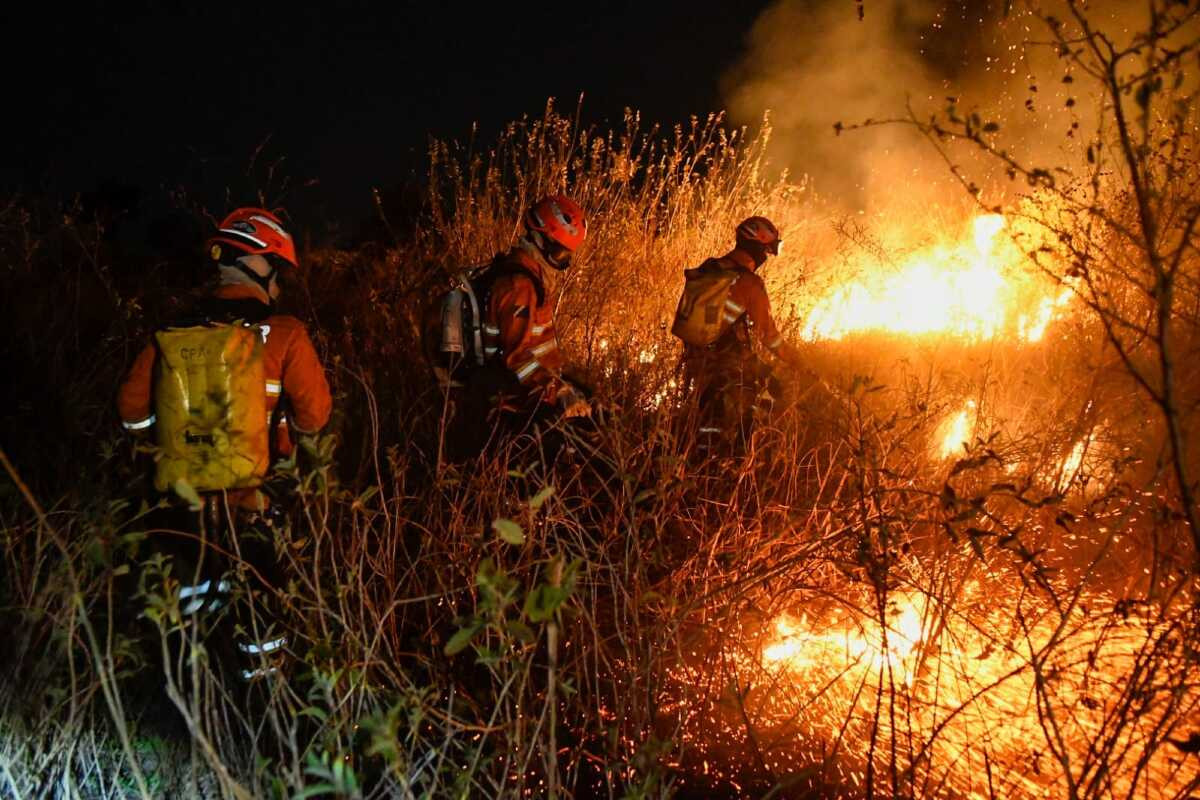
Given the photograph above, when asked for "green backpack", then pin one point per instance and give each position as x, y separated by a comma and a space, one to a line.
702, 317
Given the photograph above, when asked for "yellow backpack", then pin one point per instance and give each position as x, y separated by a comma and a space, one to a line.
211, 403
701, 317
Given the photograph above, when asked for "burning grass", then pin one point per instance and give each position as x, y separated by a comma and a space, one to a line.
977, 285
950, 698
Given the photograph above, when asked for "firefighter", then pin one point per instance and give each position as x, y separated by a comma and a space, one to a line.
522, 381
224, 388
724, 308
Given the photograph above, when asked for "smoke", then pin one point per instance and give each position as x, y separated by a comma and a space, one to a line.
813, 63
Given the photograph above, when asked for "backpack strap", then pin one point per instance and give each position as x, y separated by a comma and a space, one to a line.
475, 284
219, 311
484, 283
502, 268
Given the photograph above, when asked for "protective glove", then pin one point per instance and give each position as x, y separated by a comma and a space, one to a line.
573, 403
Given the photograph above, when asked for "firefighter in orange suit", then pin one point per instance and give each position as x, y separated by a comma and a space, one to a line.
726, 375
523, 380
248, 250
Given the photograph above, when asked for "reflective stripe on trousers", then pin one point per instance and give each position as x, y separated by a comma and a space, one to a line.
210, 593
271, 646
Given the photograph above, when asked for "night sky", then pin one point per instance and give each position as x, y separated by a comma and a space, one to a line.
135, 94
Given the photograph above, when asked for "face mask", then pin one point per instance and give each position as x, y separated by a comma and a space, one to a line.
264, 281
558, 256
554, 253
756, 251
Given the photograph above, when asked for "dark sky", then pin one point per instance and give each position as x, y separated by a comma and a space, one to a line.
163, 94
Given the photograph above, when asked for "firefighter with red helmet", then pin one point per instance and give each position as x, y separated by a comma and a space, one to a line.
521, 378
224, 388
723, 310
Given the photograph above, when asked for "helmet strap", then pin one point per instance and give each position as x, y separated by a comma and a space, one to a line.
263, 281
532, 241
756, 250
539, 241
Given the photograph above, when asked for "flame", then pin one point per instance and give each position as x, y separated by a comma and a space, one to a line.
1087, 460
973, 288
985, 228
955, 669
1032, 327
663, 393
1074, 459
796, 647
953, 434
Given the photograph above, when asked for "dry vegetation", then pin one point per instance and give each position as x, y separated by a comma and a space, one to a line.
857, 607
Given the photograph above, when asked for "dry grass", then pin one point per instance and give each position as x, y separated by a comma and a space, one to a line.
622, 647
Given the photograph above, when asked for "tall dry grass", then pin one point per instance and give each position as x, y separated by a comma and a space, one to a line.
601, 627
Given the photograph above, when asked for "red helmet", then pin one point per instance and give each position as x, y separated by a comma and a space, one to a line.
557, 227
759, 232
253, 231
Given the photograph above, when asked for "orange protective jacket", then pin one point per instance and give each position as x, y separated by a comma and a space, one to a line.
291, 368
518, 326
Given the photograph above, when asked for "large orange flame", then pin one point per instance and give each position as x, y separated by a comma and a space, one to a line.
978, 286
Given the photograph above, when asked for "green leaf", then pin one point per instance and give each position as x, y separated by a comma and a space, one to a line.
188, 494
543, 601
571, 574
459, 641
539, 499
521, 632
133, 538
366, 496
486, 656
498, 588
343, 774
95, 552
509, 531
313, 711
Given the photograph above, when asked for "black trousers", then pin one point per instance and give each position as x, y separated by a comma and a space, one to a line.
732, 389
225, 574
490, 410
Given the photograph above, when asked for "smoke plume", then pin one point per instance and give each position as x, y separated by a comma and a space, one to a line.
813, 63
